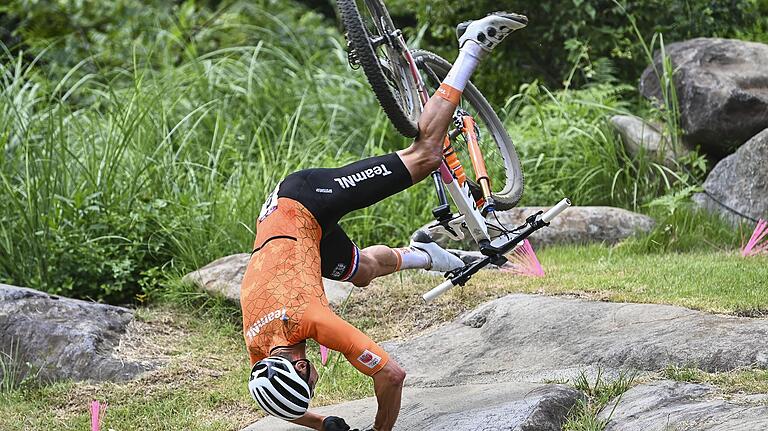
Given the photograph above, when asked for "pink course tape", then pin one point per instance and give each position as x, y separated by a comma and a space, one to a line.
323, 354
95, 407
758, 242
523, 261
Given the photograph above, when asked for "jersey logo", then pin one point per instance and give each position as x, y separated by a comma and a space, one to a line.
369, 359
256, 327
324, 190
270, 205
338, 271
348, 181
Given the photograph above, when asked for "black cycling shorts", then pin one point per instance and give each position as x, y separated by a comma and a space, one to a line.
329, 194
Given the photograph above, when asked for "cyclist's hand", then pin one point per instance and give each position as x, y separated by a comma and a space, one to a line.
334, 423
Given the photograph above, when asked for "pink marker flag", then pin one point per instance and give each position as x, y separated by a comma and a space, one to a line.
323, 354
95, 419
758, 243
523, 261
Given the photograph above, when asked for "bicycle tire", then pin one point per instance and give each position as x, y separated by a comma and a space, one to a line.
514, 181
404, 119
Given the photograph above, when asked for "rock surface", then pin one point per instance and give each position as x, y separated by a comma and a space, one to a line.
62, 338
640, 137
722, 87
485, 370
740, 181
538, 337
577, 225
224, 277
668, 405
519, 407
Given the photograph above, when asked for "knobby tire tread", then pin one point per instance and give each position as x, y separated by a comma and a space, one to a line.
366, 54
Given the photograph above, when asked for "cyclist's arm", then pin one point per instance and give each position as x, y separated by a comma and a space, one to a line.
333, 332
310, 420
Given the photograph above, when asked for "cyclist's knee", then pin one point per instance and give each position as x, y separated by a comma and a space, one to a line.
426, 155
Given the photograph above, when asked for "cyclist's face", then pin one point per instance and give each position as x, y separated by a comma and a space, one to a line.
307, 371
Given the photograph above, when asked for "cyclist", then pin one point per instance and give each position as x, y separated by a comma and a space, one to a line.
298, 240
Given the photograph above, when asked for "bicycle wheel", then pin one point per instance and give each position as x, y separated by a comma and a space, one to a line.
374, 45
498, 151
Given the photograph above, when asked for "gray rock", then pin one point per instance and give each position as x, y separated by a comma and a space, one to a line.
54, 338
577, 225
668, 405
740, 181
537, 337
722, 87
519, 407
225, 275
640, 137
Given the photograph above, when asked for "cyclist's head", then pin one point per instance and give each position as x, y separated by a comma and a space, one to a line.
283, 388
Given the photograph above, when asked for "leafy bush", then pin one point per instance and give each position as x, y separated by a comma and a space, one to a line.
595, 33
568, 148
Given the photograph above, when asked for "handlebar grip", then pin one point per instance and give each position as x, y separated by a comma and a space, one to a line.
437, 291
556, 210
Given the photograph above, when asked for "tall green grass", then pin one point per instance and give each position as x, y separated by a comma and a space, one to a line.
115, 175
125, 169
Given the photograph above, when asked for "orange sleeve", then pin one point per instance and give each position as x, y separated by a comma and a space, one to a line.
333, 332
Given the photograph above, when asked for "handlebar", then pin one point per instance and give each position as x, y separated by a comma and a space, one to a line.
494, 254
556, 210
437, 291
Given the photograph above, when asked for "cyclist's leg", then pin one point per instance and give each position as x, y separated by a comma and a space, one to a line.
426, 152
329, 194
477, 39
342, 260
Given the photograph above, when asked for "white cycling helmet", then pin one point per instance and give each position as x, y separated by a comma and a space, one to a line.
279, 389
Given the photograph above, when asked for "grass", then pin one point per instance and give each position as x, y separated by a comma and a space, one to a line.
201, 383
597, 395
713, 281
731, 383
136, 166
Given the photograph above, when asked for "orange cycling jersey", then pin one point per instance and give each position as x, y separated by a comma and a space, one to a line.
282, 294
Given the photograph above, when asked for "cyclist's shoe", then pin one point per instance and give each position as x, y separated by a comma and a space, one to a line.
491, 30
441, 260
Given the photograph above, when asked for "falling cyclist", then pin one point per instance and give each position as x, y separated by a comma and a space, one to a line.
298, 240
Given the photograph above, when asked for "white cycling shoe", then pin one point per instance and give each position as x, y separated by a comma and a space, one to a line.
490, 30
441, 259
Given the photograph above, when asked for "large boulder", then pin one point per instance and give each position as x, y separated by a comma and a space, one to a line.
519, 407
576, 225
739, 183
538, 337
722, 87
225, 275
672, 405
642, 138
55, 338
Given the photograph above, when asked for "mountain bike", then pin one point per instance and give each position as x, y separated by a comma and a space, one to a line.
402, 79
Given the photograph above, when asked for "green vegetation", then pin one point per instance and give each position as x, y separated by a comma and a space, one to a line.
731, 383
596, 34
597, 395
200, 383
140, 137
